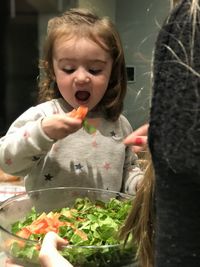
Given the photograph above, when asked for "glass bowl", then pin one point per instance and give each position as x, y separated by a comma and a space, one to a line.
46, 200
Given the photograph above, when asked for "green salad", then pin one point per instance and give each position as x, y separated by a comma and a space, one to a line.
90, 228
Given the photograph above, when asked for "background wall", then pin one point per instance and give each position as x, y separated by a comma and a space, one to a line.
19, 57
138, 23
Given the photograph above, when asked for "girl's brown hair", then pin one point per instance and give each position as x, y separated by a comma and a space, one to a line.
84, 23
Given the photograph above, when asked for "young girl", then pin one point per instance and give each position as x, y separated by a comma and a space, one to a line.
83, 65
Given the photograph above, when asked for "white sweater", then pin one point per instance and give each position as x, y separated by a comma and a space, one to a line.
98, 160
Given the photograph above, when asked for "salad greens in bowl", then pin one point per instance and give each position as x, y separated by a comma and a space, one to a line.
88, 218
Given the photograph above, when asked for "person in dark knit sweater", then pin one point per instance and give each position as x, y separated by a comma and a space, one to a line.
174, 138
165, 218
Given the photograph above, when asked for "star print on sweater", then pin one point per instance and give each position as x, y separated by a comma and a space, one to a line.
35, 158
26, 134
94, 144
48, 177
55, 148
78, 168
8, 161
107, 166
113, 134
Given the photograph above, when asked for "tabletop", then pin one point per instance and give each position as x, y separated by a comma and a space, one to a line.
10, 185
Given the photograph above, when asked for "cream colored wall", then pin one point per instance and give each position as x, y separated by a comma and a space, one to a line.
102, 7
138, 23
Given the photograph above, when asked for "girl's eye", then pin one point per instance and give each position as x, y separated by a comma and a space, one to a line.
68, 71
94, 71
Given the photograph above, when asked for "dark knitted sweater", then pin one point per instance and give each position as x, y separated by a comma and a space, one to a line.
174, 139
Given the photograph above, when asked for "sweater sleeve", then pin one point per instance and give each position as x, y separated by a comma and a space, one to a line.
132, 173
24, 143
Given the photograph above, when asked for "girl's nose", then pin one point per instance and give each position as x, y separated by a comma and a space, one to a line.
82, 76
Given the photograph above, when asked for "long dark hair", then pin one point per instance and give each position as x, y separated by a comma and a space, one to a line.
141, 220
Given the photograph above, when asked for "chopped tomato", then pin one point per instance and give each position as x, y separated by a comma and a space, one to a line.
79, 113
45, 224
82, 234
49, 222
24, 233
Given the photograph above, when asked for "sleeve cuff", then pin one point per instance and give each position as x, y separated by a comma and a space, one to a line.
40, 138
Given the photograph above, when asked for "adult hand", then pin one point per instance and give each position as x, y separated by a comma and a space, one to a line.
138, 138
49, 255
9, 263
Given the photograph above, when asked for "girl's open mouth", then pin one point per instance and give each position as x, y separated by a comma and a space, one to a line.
82, 95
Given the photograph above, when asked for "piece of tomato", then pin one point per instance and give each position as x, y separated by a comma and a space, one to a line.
24, 233
45, 223
79, 113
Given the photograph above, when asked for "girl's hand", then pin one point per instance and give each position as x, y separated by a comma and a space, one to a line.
138, 139
49, 255
59, 126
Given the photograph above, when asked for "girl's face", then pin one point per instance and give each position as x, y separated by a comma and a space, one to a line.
82, 71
